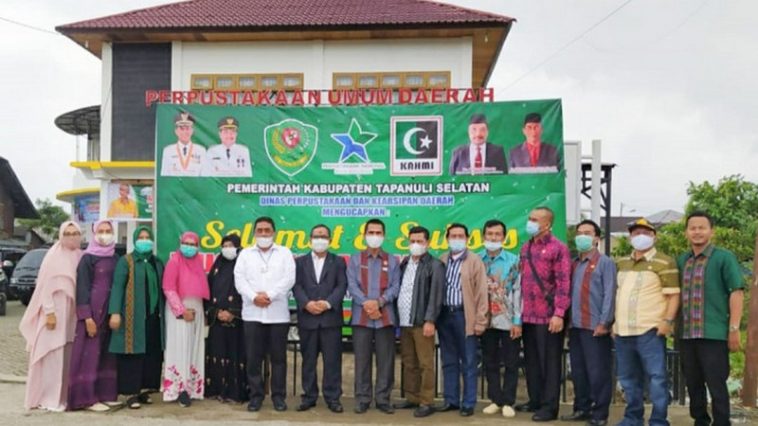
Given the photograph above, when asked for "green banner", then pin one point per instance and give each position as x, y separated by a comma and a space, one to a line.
220, 167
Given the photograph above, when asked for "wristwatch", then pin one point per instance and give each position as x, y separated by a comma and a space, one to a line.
668, 321
734, 328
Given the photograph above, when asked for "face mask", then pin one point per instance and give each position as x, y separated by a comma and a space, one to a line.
417, 249
532, 228
583, 243
493, 245
264, 242
642, 242
188, 251
71, 243
374, 241
319, 245
457, 246
104, 239
143, 246
229, 253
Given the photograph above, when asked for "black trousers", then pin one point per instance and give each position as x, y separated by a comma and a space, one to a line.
327, 342
591, 372
137, 372
706, 362
543, 351
501, 351
367, 344
261, 341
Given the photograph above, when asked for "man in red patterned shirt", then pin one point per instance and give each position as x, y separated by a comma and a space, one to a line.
545, 266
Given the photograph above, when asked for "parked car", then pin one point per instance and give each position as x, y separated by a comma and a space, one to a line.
3, 292
24, 276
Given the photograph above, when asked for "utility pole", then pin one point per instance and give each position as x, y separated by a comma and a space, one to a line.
750, 381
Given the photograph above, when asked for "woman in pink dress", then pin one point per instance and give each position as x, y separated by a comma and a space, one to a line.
49, 322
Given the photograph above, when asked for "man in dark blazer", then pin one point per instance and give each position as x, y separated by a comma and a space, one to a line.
534, 155
478, 156
320, 285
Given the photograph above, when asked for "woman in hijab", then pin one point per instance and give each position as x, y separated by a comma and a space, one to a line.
185, 286
92, 380
226, 377
136, 305
49, 321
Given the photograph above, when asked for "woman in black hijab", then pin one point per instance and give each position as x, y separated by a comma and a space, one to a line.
225, 374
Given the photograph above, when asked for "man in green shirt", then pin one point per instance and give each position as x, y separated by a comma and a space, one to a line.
712, 299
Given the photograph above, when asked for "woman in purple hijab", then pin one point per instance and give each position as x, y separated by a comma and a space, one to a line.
92, 380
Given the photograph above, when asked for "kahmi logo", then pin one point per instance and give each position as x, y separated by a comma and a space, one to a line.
416, 145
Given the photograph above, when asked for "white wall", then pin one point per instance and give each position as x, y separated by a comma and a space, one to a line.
318, 59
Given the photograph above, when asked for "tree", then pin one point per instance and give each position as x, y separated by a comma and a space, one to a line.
51, 218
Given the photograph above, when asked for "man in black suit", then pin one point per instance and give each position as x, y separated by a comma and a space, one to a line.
478, 156
320, 285
534, 155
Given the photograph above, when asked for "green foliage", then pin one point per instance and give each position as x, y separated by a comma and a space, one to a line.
51, 217
623, 248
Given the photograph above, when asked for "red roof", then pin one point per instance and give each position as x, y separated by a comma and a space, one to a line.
272, 14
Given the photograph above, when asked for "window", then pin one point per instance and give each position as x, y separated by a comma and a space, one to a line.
224, 82
394, 80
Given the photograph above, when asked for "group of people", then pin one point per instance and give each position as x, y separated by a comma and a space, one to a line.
99, 325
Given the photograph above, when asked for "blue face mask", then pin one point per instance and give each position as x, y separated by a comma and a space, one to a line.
188, 251
457, 246
532, 228
143, 246
583, 243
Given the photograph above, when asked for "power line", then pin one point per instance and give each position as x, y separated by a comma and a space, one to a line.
568, 44
27, 26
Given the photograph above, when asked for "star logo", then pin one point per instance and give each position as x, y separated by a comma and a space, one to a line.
354, 142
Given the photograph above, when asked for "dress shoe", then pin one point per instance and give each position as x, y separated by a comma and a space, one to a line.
467, 411
254, 406
305, 406
543, 417
595, 422
385, 408
423, 411
361, 408
335, 407
525, 408
404, 405
576, 416
184, 399
280, 405
447, 407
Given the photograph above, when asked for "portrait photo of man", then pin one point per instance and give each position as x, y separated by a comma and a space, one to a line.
533, 155
228, 158
478, 156
183, 158
123, 207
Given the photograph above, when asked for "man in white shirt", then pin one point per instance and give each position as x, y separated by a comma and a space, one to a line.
183, 158
228, 158
264, 275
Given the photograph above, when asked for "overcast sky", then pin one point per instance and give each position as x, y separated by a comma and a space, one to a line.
668, 86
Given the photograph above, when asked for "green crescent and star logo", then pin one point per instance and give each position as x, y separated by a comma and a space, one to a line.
416, 145
291, 145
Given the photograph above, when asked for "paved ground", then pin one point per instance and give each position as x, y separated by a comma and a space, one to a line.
13, 368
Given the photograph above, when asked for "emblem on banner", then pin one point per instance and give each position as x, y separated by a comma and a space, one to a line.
290, 145
354, 158
416, 145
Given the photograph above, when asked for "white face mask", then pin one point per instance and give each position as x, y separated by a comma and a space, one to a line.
374, 241
229, 253
493, 245
417, 249
319, 245
642, 242
104, 239
264, 242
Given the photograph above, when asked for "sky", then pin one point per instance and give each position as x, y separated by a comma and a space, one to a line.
667, 86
